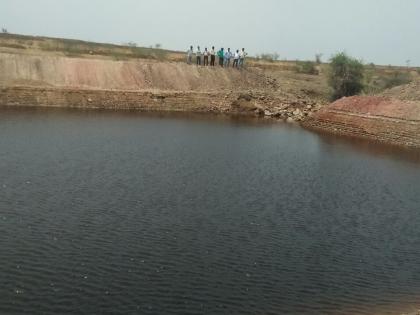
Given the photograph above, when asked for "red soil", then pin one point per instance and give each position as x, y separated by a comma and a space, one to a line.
378, 106
377, 118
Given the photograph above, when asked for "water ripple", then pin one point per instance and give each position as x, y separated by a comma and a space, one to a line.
109, 214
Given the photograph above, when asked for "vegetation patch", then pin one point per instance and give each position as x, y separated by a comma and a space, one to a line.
307, 67
11, 45
78, 48
376, 82
268, 57
345, 76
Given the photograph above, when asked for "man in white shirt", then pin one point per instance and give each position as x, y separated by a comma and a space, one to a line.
236, 59
190, 53
206, 55
212, 57
242, 56
228, 55
198, 55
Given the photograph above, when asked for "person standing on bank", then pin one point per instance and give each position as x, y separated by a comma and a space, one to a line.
198, 56
190, 53
206, 54
236, 59
212, 56
228, 55
242, 56
221, 55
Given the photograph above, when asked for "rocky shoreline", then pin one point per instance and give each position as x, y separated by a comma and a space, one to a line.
251, 103
374, 118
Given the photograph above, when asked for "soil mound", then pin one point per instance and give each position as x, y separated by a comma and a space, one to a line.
141, 74
408, 92
378, 118
378, 106
35, 78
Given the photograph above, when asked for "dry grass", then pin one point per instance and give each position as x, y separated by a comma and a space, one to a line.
79, 48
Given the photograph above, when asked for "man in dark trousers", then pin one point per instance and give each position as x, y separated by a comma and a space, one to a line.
212, 56
242, 56
198, 55
206, 54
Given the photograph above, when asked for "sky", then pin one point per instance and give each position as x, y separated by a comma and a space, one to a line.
379, 31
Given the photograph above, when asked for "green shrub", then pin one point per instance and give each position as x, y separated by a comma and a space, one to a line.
375, 82
306, 67
372, 66
346, 76
397, 78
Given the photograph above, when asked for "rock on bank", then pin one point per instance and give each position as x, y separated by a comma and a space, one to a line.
377, 118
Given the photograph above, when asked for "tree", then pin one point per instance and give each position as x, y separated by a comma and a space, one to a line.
131, 44
318, 58
158, 46
268, 57
4, 30
346, 75
408, 63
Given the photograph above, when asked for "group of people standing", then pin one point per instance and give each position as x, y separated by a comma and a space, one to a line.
225, 57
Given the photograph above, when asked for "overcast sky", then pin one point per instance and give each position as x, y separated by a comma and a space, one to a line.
379, 31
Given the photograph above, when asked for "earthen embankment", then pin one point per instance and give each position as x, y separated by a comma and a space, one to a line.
377, 118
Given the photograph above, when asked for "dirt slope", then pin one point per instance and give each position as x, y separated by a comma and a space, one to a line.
408, 92
40, 71
48, 70
379, 107
378, 118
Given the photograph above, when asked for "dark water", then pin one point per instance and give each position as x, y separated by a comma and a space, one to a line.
113, 213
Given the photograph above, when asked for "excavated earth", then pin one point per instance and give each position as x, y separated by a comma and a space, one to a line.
378, 118
407, 92
41, 79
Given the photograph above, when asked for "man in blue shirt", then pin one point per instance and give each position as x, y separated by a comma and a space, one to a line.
228, 55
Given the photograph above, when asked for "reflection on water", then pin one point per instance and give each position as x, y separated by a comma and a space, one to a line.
374, 148
133, 213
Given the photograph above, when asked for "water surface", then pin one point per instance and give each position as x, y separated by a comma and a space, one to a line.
127, 213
